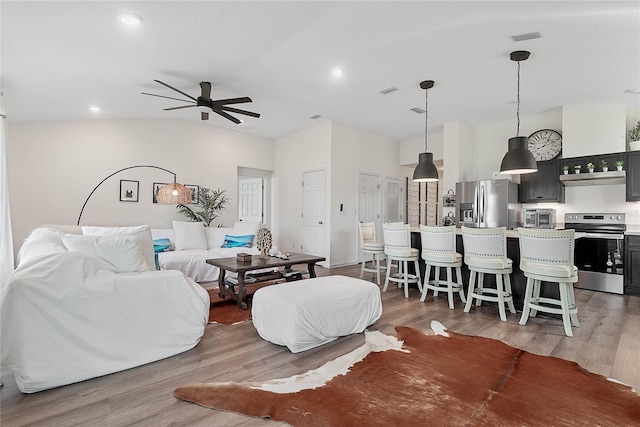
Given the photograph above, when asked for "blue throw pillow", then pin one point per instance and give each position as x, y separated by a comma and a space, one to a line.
238, 241
161, 245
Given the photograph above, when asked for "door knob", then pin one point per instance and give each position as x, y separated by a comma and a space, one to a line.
319, 222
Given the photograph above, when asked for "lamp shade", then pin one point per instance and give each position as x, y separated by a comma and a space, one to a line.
518, 159
174, 193
426, 171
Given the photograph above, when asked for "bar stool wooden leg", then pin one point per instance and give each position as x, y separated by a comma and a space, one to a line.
437, 277
416, 265
507, 281
471, 293
572, 303
500, 291
450, 286
536, 295
377, 258
405, 267
460, 285
527, 300
480, 287
386, 280
564, 304
427, 275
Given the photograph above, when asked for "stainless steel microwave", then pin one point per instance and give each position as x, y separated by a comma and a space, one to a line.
539, 218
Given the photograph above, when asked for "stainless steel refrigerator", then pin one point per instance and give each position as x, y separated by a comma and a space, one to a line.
486, 204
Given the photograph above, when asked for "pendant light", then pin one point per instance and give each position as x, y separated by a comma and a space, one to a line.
518, 159
425, 171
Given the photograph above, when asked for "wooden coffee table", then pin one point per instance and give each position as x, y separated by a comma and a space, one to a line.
226, 289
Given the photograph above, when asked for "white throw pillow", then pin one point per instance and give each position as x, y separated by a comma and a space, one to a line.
245, 228
189, 235
215, 236
123, 252
142, 232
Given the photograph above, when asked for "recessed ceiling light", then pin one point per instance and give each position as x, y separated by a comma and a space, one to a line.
337, 72
130, 19
633, 91
95, 109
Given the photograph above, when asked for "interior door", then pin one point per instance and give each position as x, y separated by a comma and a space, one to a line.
368, 204
393, 200
313, 213
250, 204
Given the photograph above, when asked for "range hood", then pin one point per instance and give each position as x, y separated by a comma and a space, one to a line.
594, 178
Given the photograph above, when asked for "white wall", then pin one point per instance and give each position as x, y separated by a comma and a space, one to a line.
589, 129
53, 166
303, 151
354, 151
411, 148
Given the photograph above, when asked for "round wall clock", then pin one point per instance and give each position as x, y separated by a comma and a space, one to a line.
545, 144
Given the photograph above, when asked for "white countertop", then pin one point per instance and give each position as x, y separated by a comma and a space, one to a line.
633, 230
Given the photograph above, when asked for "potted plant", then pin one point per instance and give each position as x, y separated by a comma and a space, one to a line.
565, 169
634, 137
577, 168
209, 204
591, 167
604, 166
619, 164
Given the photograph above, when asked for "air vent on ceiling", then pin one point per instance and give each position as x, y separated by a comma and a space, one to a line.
527, 36
388, 90
317, 116
418, 110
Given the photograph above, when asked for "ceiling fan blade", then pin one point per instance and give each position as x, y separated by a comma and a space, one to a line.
168, 97
227, 116
219, 102
177, 90
178, 108
235, 110
206, 90
204, 115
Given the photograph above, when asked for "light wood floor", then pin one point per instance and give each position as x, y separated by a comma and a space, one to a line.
608, 343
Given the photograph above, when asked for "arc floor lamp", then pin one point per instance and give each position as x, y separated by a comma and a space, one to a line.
174, 193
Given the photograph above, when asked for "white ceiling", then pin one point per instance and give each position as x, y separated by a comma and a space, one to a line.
61, 57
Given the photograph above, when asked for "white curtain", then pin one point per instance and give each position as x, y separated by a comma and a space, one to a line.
6, 238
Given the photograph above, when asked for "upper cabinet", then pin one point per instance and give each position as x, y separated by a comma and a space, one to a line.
632, 165
544, 185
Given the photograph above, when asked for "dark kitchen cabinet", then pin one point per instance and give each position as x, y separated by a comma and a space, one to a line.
632, 166
632, 265
544, 185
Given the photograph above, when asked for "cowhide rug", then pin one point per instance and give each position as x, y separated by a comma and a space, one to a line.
441, 380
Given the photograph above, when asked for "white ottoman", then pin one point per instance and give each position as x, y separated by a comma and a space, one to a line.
307, 313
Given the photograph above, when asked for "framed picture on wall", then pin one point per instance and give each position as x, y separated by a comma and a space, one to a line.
129, 190
156, 187
195, 192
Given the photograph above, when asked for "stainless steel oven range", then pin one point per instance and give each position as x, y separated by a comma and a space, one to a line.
599, 250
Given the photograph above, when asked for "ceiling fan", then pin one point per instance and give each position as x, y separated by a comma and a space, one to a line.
204, 102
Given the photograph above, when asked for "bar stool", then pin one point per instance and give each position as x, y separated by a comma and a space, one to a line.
369, 245
485, 251
439, 250
397, 247
548, 255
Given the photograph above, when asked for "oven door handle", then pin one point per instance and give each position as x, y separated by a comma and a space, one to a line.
599, 236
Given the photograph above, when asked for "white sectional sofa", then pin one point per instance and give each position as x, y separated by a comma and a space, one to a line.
191, 244
82, 306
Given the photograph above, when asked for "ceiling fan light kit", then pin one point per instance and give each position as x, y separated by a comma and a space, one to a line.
426, 171
518, 160
205, 104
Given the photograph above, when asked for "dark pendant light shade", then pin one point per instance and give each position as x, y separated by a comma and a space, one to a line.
519, 159
426, 171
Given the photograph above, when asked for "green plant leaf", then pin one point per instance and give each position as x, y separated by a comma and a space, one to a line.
208, 206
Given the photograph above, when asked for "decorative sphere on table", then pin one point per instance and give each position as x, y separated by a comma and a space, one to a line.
264, 242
